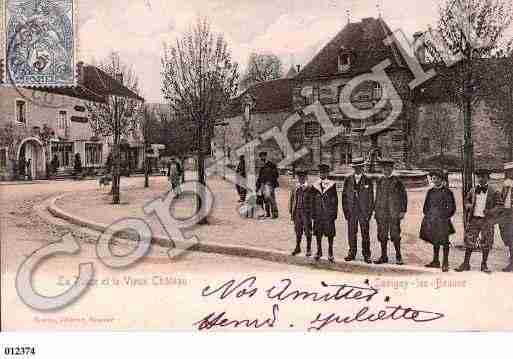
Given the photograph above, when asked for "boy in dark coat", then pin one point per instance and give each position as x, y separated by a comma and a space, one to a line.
390, 209
299, 209
481, 207
358, 205
324, 211
436, 226
267, 183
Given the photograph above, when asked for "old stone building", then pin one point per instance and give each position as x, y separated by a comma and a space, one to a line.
41, 123
361, 79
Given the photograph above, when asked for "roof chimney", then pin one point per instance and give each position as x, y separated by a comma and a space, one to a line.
419, 47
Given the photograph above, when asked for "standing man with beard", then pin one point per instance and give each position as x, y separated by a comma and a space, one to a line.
267, 183
324, 211
390, 209
358, 205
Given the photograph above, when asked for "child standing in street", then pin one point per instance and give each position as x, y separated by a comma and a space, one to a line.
299, 209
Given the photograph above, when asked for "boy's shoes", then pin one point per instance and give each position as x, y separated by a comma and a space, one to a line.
308, 254
509, 268
318, 257
445, 267
463, 268
331, 259
484, 269
349, 258
382, 260
433, 264
296, 251
367, 260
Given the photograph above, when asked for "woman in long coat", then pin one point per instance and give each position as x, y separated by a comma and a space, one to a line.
439, 207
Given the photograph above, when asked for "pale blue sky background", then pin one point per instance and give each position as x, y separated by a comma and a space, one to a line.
292, 29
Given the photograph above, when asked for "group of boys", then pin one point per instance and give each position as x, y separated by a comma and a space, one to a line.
314, 208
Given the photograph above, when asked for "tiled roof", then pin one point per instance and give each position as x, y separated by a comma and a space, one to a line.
95, 86
269, 96
364, 40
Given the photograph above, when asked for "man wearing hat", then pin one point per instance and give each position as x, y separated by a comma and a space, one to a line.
481, 208
267, 183
506, 214
299, 209
324, 211
390, 208
358, 205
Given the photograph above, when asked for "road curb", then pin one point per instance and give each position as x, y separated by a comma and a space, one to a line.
250, 252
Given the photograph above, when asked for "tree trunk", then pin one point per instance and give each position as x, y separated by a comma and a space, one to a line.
146, 168
117, 158
201, 171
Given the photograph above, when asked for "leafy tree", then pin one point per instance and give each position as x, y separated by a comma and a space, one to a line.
198, 79
261, 67
115, 117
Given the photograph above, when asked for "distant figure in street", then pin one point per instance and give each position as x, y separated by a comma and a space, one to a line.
29, 169
241, 171
436, 227
390, 209
77, 165
267, 183
22, 166
174, 175
324, 211
358, 205
54, 164
300, 212
481, 206
506, 214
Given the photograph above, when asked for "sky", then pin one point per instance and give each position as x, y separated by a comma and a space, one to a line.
295, 30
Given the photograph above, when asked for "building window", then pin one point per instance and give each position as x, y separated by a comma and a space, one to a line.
344, 62
426, 146
21, 111
93, 154
311, 129
62, 120
3, 157
64, 152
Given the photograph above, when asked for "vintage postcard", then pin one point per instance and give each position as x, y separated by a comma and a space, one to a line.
256, 165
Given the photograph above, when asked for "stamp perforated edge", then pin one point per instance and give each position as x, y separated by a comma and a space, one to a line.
3, 49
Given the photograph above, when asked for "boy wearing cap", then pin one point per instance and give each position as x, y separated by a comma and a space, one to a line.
481, 206
358, 205
506, 214
324, 211
299, 209
436, 227
390, 208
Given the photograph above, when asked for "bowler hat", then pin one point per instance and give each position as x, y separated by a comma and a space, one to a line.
387, 162
324, 168
358, 162
301, 172
482, 172
436, 173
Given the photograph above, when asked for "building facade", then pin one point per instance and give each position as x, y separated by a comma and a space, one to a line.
42, 125
360, 71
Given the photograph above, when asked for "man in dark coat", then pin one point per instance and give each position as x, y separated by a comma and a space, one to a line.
482, 205
300, 212
241, 171
324, 211
506, 214
436, 227
358, 205
267, 183
390, 208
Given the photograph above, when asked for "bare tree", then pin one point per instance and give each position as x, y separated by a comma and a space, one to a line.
260, 68
471, 29
198, 78
116, 116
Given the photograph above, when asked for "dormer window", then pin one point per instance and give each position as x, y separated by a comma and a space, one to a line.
344, 60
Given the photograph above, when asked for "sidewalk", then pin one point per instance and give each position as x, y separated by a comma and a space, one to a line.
227, 227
